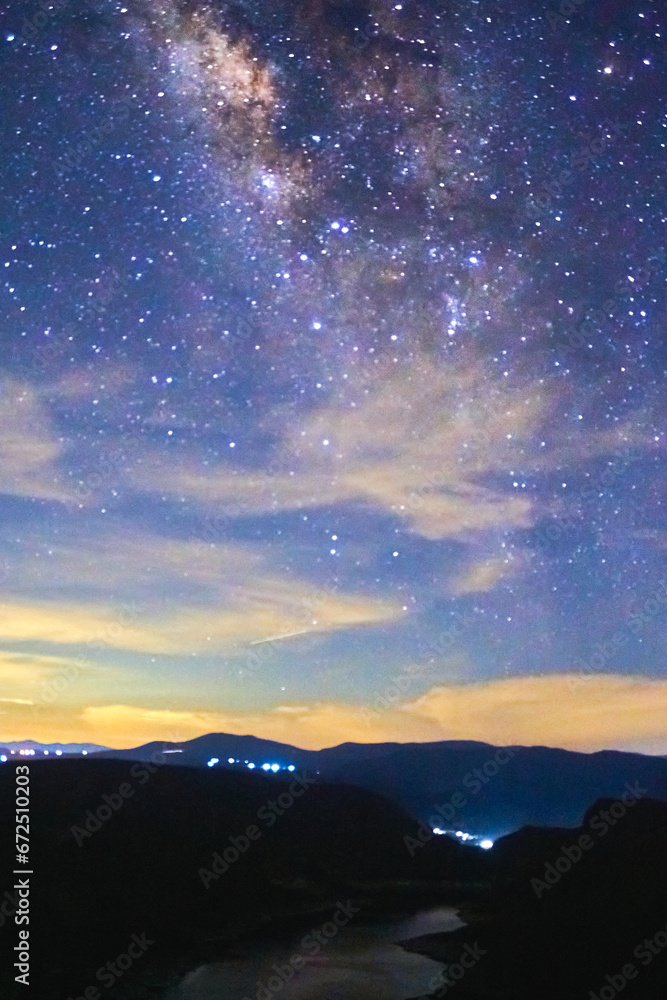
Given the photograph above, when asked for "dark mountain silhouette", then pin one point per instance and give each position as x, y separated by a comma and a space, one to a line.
536, 786
196, 752
560, 927
121, 848
478, 787
194, 859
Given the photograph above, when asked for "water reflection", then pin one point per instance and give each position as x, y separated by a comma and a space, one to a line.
362, 962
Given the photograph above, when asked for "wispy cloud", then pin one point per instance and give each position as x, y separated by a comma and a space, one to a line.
268, 608
104, 379
484, 574
430, 448
30, 448
418, 447
22, 674
606, 711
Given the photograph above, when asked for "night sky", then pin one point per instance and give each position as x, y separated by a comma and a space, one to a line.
332, 373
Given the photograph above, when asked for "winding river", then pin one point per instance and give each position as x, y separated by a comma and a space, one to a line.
361, 962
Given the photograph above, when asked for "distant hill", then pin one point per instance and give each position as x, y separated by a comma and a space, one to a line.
494, 790
41, 748
459, 785
197, 752
466, 785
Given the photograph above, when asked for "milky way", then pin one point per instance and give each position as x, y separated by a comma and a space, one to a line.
332, 375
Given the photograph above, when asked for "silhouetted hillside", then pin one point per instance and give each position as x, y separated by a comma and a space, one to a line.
566, 915
477, 787
121, 849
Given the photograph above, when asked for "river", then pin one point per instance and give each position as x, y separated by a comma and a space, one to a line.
360, 962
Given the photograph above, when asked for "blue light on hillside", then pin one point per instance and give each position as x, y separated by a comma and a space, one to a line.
213, 761
251, 765
3, 758
472, 838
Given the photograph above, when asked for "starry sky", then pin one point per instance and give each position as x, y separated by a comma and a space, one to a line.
332, 364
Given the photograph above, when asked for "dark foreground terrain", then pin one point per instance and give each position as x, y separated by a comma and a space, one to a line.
164, 867
572, 913
122, 849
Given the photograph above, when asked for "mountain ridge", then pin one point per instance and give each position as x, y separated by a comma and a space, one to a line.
471, 785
